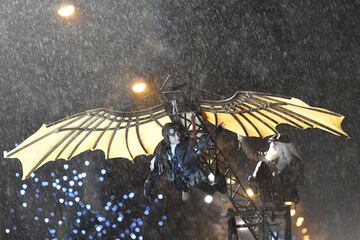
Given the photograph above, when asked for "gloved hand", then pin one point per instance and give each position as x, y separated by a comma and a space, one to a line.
148, 186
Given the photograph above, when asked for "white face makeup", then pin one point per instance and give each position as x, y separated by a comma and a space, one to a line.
175, 139
272, 154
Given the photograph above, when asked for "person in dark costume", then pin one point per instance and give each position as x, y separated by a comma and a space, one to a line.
279, 170
177, 157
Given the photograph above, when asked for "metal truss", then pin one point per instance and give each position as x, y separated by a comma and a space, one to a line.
263, 223
255, 218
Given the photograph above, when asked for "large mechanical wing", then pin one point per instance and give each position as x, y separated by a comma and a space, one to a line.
117, 134
254, 114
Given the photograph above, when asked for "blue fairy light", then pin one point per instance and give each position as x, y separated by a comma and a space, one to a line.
17, 174
125, 196
24, 204
160, 223
65, 178
45, 183
87, 163
164, 217
114, 208
88, 206
22, 191
7, 230
66, 166
46, 220
74, 171
133, 236
52, 174
36, 218
131, 195
101, 178
71, 183
24, 186
80, 184
98, 228
137, 229
160, 196
103, 171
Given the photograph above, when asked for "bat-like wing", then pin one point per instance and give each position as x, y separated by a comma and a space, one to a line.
118, 134
254, 114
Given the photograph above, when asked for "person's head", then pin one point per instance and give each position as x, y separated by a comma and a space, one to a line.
172, 133
281, 151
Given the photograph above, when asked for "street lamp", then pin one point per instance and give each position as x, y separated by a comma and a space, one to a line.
66, 10
139, 87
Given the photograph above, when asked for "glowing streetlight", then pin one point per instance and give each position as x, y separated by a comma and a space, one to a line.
208, 199
299, 221
139, 87
66, 10
250, 192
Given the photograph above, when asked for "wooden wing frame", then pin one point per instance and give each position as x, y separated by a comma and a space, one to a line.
117, 134
254, 114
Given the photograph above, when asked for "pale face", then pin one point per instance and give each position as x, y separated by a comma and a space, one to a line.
272, 154
175, 139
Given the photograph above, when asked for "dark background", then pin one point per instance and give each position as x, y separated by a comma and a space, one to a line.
50, 68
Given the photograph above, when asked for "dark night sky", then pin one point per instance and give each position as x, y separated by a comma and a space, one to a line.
50, 68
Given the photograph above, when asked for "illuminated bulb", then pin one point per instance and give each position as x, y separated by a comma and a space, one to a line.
304, 230
66, 10
299, 221
208, 199
230, 181
139, 87
250, 192
306, 237
211, 177
288, 203
292, 212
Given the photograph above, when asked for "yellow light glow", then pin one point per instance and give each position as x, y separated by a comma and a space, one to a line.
304, 230
299, 221
66, 10
288, 203
139, 87
250, 192
230, 181
306, 237
292, 212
